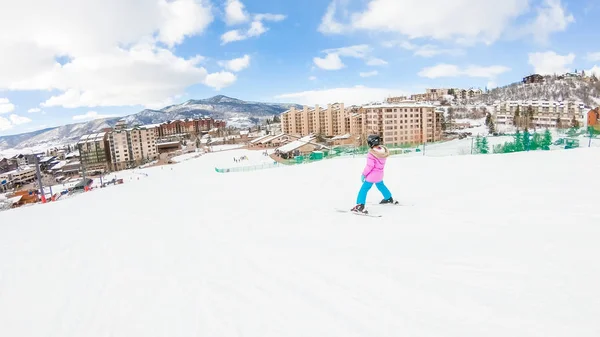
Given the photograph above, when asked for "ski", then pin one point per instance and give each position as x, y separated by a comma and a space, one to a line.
359, 213
396, 203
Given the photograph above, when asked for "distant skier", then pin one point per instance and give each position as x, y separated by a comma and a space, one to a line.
373, 174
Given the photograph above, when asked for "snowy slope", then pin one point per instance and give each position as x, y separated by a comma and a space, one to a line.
478, 251
575, 89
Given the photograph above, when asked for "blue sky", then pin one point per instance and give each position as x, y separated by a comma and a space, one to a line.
93, 59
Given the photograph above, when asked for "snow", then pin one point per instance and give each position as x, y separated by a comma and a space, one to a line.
187, 156
477, 251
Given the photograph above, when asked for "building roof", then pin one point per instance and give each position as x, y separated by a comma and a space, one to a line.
346, 136
289, 147
94, 137
398, 105
271, 137
256, 140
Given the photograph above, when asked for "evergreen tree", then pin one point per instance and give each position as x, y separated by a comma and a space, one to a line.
536, 141
526, 140
547, 141
485, 148
477, 144
559, 123
518, 142
498, 148
276, 119
517, 117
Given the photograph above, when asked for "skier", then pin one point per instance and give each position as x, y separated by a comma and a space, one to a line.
373, 174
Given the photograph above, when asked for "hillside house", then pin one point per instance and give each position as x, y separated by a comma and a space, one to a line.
7, 165
531, 79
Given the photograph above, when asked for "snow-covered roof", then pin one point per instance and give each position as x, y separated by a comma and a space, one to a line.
256, 140
94, 137
150, 126
397, 105
297, 143
346, 136
271, 138
59, 165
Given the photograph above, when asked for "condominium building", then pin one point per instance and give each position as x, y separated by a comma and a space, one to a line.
21, 175
94, 152
403, 123
132, 147
328, 122
188, 126
546, 114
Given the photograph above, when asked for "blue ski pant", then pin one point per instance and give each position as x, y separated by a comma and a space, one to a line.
366, 186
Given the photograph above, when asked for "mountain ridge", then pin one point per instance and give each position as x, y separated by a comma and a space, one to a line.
235, 111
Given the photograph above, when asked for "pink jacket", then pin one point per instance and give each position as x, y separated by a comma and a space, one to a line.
376, 159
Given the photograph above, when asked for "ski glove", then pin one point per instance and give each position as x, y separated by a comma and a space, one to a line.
362, 178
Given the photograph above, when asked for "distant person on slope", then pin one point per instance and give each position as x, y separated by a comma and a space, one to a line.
373, 174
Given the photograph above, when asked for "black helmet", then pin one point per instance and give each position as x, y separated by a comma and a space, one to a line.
373, 140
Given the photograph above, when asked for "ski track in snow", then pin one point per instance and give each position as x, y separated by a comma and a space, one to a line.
491, 245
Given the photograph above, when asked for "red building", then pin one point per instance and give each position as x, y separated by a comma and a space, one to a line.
593, 118
189, 126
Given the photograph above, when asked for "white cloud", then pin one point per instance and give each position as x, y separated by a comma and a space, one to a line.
549, 63
451, 70
90, 115
350, 96
329, 62
313, 78
238, 15
269, 17
232, 36
6, 106
120, 63
427, 50
369, 74
551, 18
5, 124
465, 22
237, 64
357, 51
376, 62
593, 57
328, 23
34, 110
235, 13
12, 121
18, 120
332, 60
220, 80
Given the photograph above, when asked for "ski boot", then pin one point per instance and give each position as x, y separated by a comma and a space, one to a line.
360, 208
388, 201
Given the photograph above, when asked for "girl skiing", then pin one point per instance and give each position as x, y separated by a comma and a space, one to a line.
373, 174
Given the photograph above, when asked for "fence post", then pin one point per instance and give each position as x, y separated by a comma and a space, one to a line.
472, 139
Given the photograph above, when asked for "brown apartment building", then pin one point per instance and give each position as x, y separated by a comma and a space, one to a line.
133, 146
397, 123
403, 123
328, 122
